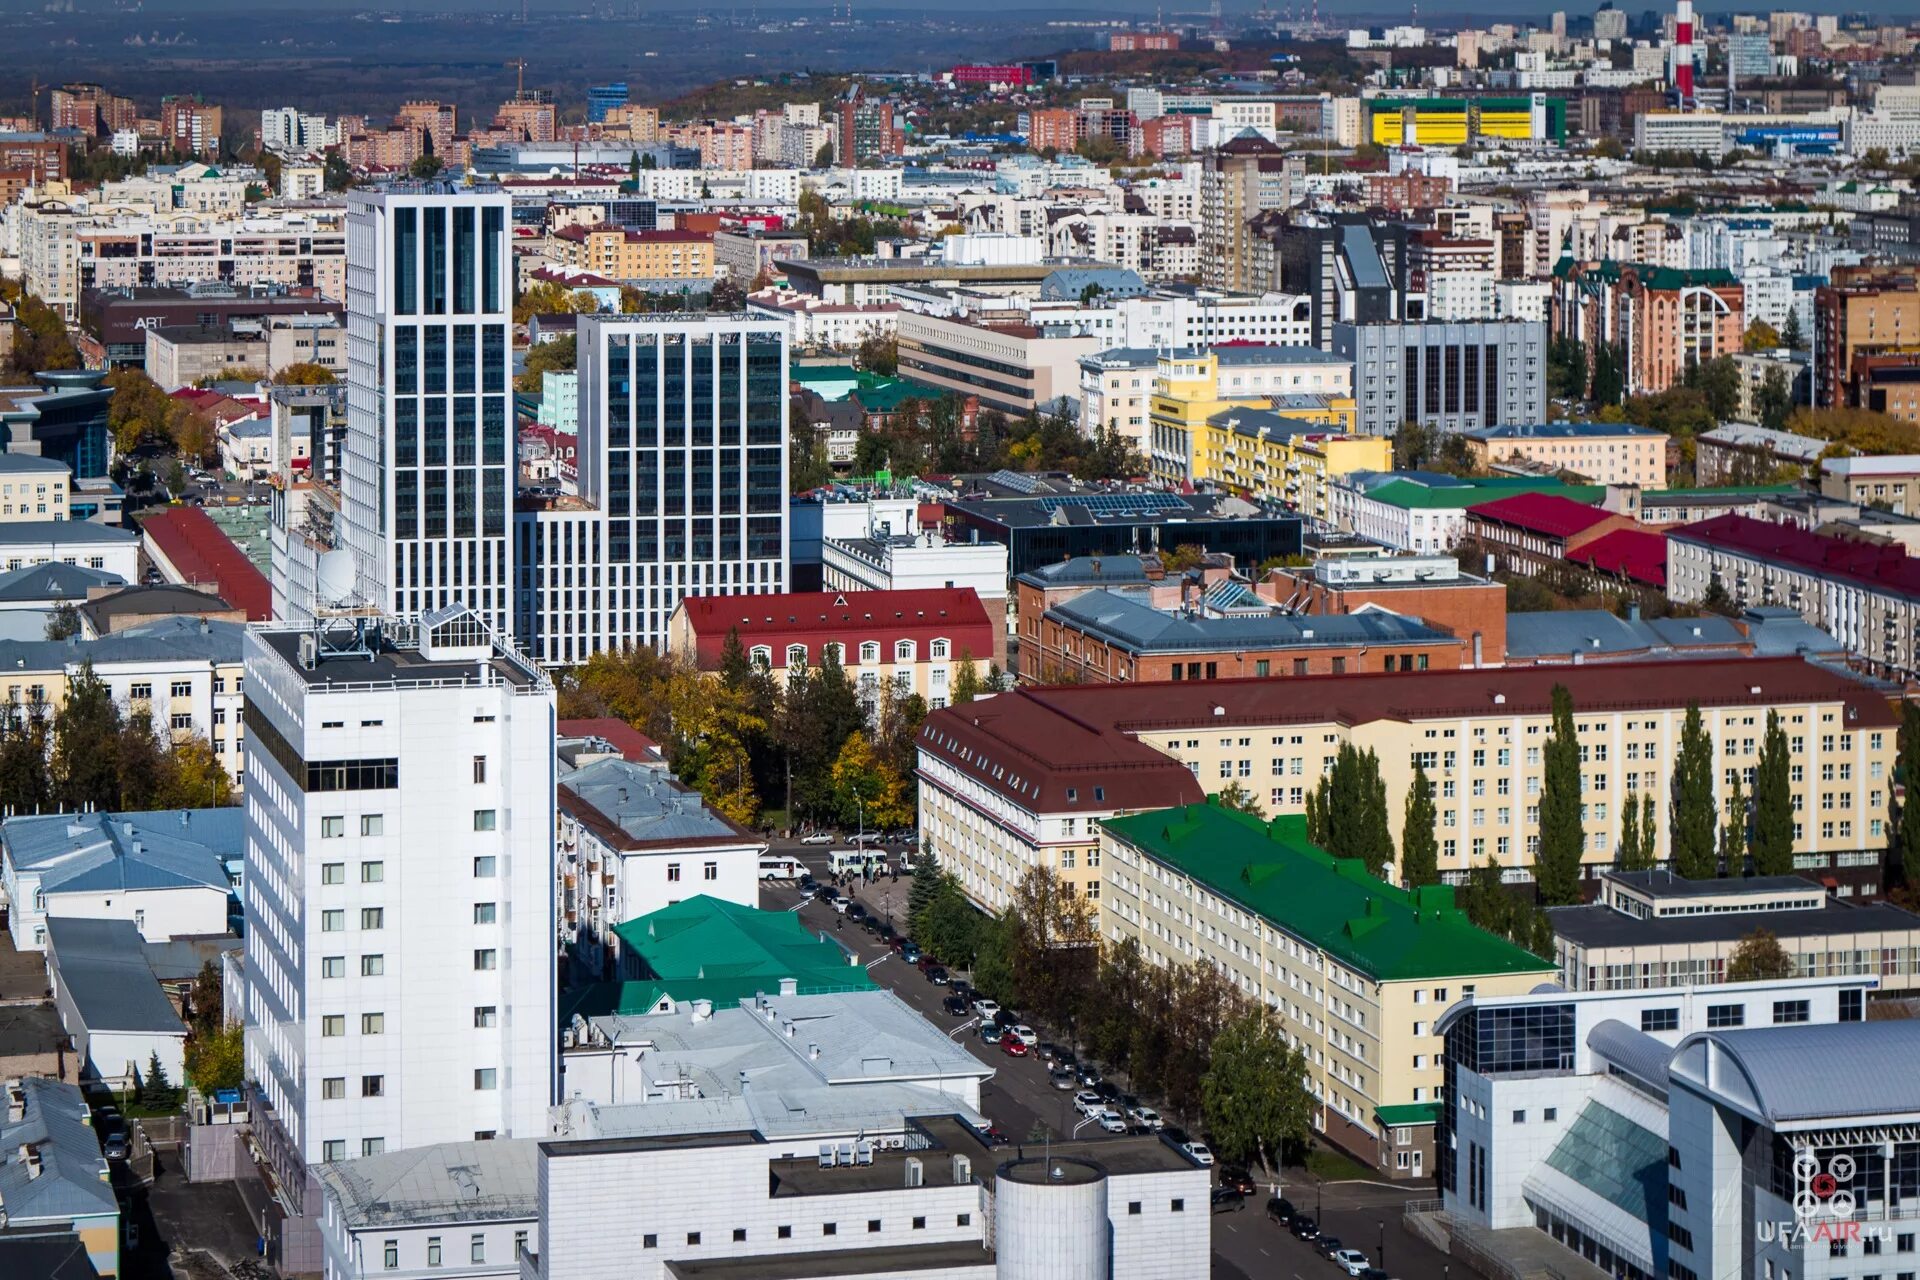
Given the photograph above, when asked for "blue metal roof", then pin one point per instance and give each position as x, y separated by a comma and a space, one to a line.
1131, 624
72, 1179
53, 581
102, 967
175, 639
168, 849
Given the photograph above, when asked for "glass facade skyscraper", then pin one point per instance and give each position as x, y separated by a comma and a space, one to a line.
428, 475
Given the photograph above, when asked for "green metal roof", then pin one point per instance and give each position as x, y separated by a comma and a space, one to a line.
876, 392
1729, 491
721, 951
1336, 904
1411, 494
1652, 277
1407, 1113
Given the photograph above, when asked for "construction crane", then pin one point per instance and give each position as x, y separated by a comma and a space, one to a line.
519, 66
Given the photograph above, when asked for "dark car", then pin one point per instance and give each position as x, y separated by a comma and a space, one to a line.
1108, 1090
1303, 1227
1280, 1209
936, 975
911, 954
1089, 1075
1048, 1052
1329, 1245
925, 961
856, 913
115, 1146
1239, 1180
964, 989
1227, 1200
955, 1006
884, 932
1374, 1273
994, 1137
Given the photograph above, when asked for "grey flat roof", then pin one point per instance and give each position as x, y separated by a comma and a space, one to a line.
448, 1181
1136, 626
1598, 926
11, 463
1664, 884
29, 532
897, 1260
647, 804
168, 849
390, 664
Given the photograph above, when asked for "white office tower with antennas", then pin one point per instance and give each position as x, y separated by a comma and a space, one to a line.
427, 482
399, 962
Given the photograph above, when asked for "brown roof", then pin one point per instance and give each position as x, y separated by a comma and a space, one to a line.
1035, 745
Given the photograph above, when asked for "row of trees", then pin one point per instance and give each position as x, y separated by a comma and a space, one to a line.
1183, 1033
816, 747
93, 754
934, 436
40, 339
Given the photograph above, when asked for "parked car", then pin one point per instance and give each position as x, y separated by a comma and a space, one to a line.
1240, 1181
955, 1007
1303, 1227
1060, 1079
817, 837
884, 932
1089, 1075
1048, 1052
1024, 1034
1374, 1273
1108, 1090
1088, 1104
995, 1138
1013, 1045
841, 903
856, 912
1110, 1122
1197, 1151
911, 953
925, 961
1329, 1245
937, 976
866, 838
1351, 1261
114, 1146
1146, 1118
962, 988
990, 1031
1280, 1209
987, 1009
1227, 1200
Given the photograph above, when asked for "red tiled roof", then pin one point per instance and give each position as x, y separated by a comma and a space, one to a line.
201, 553
1543, 513
1632, 553
817, 618
630, 742
1034, 744
1883, 567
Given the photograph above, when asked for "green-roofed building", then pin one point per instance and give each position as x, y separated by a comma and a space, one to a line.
1425, 511
703, 948
1356, 969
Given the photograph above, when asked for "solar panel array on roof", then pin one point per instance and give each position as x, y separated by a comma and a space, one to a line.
1114, 504
1018, 481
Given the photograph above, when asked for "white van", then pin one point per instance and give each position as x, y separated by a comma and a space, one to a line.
775, 867
843, 861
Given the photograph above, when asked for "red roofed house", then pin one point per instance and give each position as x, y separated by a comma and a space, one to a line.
915, 639
1530, 531
186, 546
603, 736
1637, 557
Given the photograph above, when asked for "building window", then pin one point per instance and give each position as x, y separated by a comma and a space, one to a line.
483, 913
485, 1079
937, 650
333, 921
373, 1086
373, 824
373, 872
710, 871
483, 819
869, 653
1178, 1206
433, 1251
1726, 1015
333, 966
873, 1226
333, 1088
673, 872
1659, 1019
486, 959
903, 651
1790, 1011
330, 873
373, 917
372, 966
333, 1024
784, 1232
486, 1015
829, 1228
390, 1253
332, 828
477, 1248
479, 769
333, 1149
373, 1024
483, 867
649, 1241
372, 1146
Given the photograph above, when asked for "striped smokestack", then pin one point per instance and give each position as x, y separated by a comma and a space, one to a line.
1683, 52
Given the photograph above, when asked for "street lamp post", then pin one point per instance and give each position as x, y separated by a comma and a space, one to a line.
1382, 1224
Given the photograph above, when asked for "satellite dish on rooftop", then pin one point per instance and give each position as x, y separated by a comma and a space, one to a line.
335, 577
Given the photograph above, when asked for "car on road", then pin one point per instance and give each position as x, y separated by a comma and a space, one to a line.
1374, 1273
817, 837
867, 838
1109, 1090
990, 1031
937, 975
1197, 1151
114, 1146
910, 952
995, 1138
1024, 1034
964, 989
1110, 1122
955, 1007
1089, 1104
1089, 1075
856, 912
1146, 1118
1227, 1200
884, 932
842, 903
1239, 1180
1351, 1261
987, 1009
1303, 1227
1013, 1046
1280, 1209
1329, 1245
1048, 1052
1060, 1079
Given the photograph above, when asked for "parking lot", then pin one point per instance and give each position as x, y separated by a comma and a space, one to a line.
1020, 1101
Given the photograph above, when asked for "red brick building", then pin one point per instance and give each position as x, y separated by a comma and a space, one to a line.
1137, 41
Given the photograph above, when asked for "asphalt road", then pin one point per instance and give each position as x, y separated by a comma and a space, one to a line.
1246, 1245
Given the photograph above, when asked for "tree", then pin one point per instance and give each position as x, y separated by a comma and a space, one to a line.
1350, 809
1626, 854
1759, 957
1238, 799
1419, 846
879, 353
338, 176
1733, 832
1790, 334
86, 734
1906, 824
1760, 336
1054, 948
1773, 400
63, 622
1719, 380
1772, 841
426, 167
559, 355
156, 1091
866, 787
204, 1001
1649, 832
1412, 446
1693, 813
217, 1061
1254, 1093
25, 784
966, 679
304, 373
1557, 867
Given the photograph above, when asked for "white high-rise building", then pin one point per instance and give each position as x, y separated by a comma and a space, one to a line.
682, 466
428, 481
399, 967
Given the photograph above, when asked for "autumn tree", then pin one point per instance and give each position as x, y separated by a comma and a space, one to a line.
1254, 1094
866, 788
1759, 957
1693, 813
1055, 949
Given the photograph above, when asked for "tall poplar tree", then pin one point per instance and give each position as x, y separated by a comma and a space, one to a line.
1773, 804
1419, 846
1693, 819
1557, 866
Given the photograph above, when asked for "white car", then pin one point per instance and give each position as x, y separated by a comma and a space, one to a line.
1112, 1123
1351, 1261
1198, 1152
1025, 1034
1089, 1104
1148, 1118
987, 1009
817, 837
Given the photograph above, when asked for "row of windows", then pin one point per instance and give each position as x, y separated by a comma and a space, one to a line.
651, 1240
476, 1249
903, 651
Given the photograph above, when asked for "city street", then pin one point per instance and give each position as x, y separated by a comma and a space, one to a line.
1246, 1244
